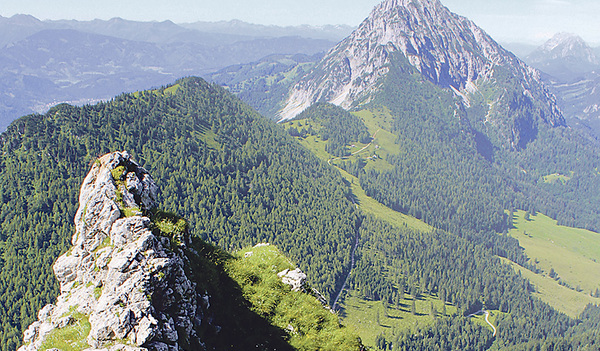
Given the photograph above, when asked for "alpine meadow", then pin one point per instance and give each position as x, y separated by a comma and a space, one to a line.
412, 186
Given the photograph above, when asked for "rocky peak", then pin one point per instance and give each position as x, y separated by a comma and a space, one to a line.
123, 285
565, 45
565, 57
116, 184
447, 49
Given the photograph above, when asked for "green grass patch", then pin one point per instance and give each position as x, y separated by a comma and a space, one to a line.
557, 178
574, 254
70, 338
97, 292
169, 225
375, 208
309, 324
362, 316
103, 244
132, 211
172, 89
379, 124
565, 300
117, 173
311, 141
210, 138
316, 145
382, 143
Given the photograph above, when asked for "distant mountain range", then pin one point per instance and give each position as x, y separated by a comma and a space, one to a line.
46, 62
236, 27
572, 71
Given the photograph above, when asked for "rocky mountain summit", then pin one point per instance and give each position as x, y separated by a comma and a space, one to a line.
564, 55
123, 284
572, 72
447, 49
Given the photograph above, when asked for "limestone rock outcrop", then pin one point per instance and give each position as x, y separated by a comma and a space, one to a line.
447, 49
294, 278
123, 282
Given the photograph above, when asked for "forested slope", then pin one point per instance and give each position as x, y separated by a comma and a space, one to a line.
237, 177
240, 180
450, 170
443, 170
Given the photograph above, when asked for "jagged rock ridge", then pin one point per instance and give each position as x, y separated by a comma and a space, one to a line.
447, 49
128, 283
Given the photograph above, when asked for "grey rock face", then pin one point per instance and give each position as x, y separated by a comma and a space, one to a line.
294, 278
447, 49
129, 284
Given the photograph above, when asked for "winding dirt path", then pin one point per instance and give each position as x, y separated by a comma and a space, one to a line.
487, 316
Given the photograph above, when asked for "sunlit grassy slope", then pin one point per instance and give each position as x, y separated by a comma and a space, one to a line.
574, 254
375, 208
363, 316
381, 145
310, 325
560, 297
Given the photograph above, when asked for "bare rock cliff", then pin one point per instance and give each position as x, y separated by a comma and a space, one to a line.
123, 286
447, 49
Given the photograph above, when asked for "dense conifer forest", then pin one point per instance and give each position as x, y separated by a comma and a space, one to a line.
449, 174
400, 261
454, 172
236, 176
240, 180
339, 127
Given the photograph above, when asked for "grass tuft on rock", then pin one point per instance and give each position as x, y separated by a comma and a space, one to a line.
70, 338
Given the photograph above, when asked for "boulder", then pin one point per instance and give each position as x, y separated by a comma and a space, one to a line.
294, 278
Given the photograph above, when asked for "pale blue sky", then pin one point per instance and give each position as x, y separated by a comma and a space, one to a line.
506, 20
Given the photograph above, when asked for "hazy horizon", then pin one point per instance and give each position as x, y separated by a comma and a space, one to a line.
510, 21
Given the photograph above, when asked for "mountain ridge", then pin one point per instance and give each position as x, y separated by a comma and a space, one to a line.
235, 176
447, 49
136, 280
44, 63
571, 69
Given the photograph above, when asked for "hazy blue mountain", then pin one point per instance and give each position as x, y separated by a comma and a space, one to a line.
237, 27
565, 56
264, 84
46, 62
155, 32
19, 27
572, 71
